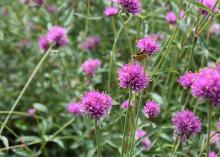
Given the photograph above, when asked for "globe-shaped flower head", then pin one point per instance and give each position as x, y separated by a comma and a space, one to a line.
58, 36
90, 66
215, 29
125, 104
171, 18
96, 104
186, 123
207, 85
187, 79
146, 143
43, 42
91, 43
151, 109
213, 154
139, 134
111, 11
133, 76
131, 6
148, 45
75, 108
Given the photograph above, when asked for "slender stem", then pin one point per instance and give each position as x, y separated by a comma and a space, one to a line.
208, 129
126, 31
187, 99
126, 124
192, 52
181, 99
113, 27
158, 139
87, 20
136, 116
56, 133
176, 148
97, 139
113, 53
166, 50
205, 144
25, 88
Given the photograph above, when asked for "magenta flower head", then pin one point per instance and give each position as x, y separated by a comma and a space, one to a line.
75, 108
182, 14
133, 76
140, 134
96, 104
215, 29
187, 79
186, 123
151, 109
131, 6
124, 105
214, 137
218, 126
91, 43
58, 36
31, 112
90, 66
111, 11
52, 9
210, 4
148, 45
207, 85
43, 42
39, 3
213, 154
171, 18
146, 143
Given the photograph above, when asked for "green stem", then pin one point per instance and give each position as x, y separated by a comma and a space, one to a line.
164, 54
192, 52
208, 129
25, 88
97, 139
176, 148
136, 116
56, 133
113, 53
125, 133
126, 31
87, 19
158, 139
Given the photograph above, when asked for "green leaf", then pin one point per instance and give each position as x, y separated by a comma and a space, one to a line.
40, 107
182, 25
175, 7
5, 141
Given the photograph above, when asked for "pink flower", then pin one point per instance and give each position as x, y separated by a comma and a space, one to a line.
171, 18
146, 143
139, 134
58, 36
148, 45
43, 42
133, 76
96, 104
31, 111
75, 108
151, 109
90, 66
124, 105
215, 29
111, 11
52, 8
